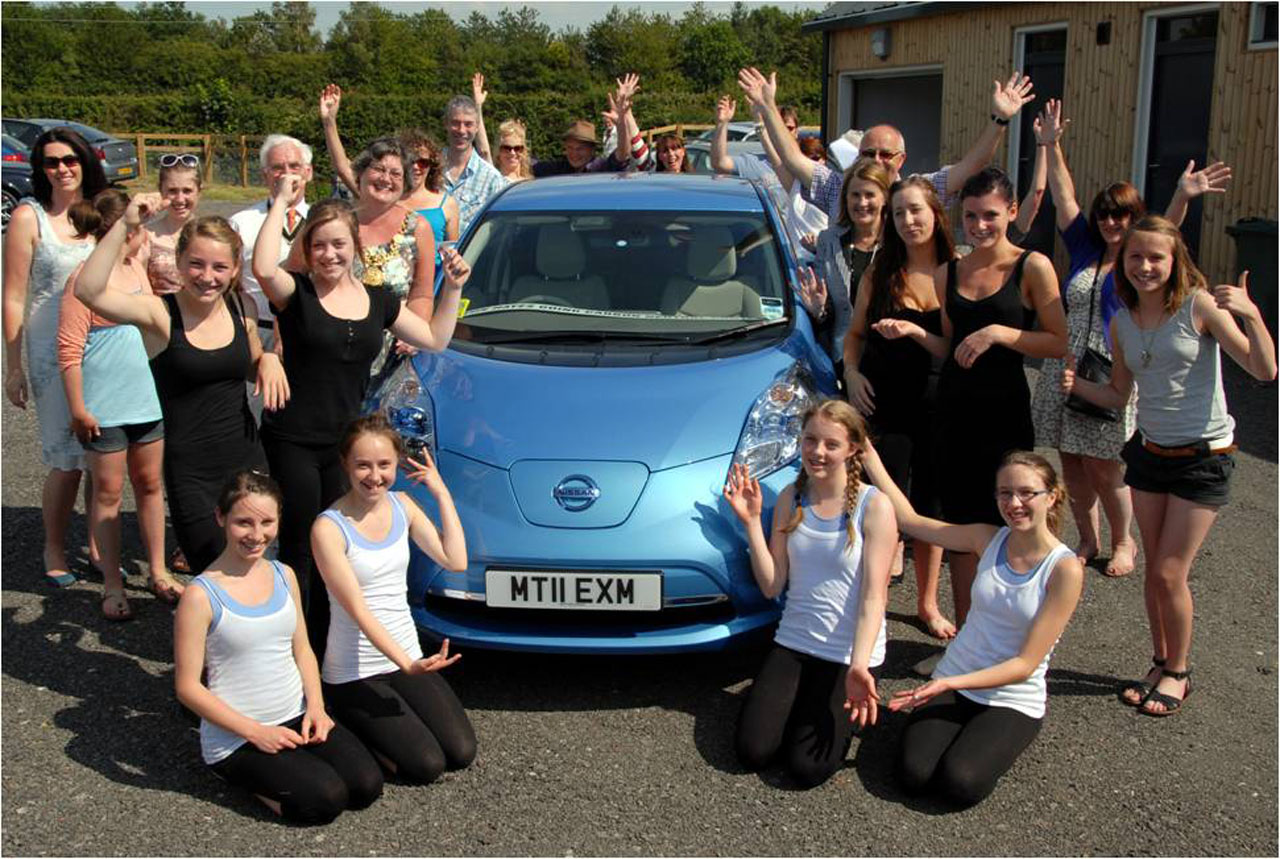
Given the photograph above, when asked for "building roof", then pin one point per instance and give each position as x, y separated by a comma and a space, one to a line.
847, 16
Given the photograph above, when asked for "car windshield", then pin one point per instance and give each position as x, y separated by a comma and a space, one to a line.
645, 276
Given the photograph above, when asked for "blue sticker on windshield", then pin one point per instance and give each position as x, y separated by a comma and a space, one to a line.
771, 308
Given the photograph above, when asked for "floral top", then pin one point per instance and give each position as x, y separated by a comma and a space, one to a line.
391, 264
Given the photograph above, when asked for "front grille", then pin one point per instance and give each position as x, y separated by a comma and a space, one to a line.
555, 620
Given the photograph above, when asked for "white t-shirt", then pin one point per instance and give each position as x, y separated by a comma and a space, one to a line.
247, 222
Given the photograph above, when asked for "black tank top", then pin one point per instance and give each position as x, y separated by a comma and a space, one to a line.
202, 391
898, 371
997, 375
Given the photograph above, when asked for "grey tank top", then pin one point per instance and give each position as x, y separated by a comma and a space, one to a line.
1178, 372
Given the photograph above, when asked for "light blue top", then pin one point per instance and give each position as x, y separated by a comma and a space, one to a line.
118, 387
477, 182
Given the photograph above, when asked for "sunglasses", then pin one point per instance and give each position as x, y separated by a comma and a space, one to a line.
881, 154
424, 163
184, 160
519, 150
53, 163
1113, 214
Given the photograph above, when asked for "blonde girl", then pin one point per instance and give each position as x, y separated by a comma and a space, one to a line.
830, 549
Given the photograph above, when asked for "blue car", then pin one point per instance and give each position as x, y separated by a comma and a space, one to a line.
624, 338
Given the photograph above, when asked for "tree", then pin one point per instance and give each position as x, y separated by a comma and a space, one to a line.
711, 54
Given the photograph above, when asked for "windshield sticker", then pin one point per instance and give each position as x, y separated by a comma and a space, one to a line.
771, 308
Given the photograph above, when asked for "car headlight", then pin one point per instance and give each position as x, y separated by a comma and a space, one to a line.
408, 408
771, 437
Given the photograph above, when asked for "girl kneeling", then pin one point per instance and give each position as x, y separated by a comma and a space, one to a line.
374, 671
263, 723
831, 546
986, 701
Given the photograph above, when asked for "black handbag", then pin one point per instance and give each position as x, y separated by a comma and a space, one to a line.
1092, 366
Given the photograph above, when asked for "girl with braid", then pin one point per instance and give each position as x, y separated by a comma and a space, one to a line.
832, 542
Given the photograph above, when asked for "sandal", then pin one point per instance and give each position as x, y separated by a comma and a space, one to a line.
114, 605
1171, 704
166, 588
59, 578
1141, 687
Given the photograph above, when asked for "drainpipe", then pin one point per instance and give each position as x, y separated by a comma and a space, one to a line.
826, 77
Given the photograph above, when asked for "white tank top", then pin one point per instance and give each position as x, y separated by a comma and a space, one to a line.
824, 587
1004, 605
248, 656
382, 569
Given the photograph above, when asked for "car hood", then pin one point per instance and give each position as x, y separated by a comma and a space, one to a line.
500, 413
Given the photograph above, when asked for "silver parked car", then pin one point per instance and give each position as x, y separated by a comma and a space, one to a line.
119, 157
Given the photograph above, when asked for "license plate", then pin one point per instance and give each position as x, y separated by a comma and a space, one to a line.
126, 171
576, 590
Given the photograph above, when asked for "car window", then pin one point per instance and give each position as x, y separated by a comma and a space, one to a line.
24, 131
629, 273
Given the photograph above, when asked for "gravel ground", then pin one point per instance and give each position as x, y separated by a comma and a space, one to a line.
634, 756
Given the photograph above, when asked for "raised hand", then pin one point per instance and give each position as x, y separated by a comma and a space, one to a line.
1050, 125
425, 472
725, 109
743, 493
1212, 179
759, 89
1235, 297
286, 186
1008, 98
142, 207
611, 115
330, 101
813, 291
456, 270
435, 662
1068, 382
478, 94
861, 698
628, 85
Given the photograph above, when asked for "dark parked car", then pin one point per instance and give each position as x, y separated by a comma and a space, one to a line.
119, 157
15, 149
17, 184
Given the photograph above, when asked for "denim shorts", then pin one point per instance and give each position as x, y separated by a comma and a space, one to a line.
1200, 479
113, 439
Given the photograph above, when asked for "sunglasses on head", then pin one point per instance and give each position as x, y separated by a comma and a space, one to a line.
53, 162
184, 160
508, 148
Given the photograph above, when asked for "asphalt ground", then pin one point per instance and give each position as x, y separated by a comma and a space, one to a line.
626, 756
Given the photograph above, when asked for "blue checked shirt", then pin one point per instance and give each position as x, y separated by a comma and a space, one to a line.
477, 182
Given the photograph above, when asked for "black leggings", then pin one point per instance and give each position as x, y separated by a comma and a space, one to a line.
413, 720
313, 784
796, 706
311, 479
960, 748
193, 478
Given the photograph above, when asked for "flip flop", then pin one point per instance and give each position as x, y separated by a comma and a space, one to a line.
115, 607
59, 579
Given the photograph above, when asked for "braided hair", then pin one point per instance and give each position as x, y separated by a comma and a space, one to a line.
836, 411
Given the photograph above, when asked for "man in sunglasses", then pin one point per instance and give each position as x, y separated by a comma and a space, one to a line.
882, 142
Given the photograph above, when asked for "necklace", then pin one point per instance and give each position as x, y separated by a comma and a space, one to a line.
1148, 341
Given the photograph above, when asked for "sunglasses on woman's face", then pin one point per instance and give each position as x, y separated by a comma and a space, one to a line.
52, 162
423, 163
518, 150
184, 160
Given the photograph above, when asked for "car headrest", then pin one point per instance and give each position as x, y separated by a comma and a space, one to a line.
560, 254
712, 255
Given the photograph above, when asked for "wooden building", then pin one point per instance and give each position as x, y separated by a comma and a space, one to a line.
1146, 86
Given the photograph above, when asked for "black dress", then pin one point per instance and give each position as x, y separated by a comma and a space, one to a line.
985, 411
327, 361
209, 430
901, 373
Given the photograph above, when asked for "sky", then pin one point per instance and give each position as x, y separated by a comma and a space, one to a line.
557, 14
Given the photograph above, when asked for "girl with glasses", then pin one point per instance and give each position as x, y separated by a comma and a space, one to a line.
987, 698
41, 248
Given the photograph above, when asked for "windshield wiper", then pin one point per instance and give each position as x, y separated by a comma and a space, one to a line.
734, 333
574, 337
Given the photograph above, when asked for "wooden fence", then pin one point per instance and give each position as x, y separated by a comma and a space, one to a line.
243, 147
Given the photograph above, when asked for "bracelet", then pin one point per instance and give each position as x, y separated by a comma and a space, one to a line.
998, 120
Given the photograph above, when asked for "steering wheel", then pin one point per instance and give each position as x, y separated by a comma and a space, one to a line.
545, 299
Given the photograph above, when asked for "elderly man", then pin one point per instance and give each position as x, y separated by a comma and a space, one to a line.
580, 156
883, 142
280, 155
467, 176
